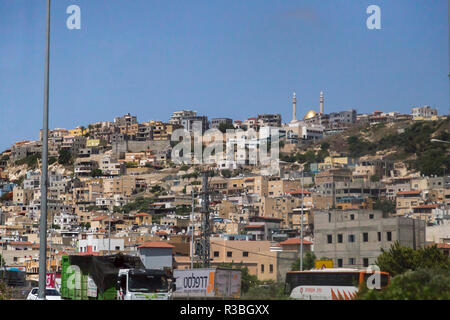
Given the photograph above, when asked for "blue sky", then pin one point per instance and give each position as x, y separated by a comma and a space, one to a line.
222, 58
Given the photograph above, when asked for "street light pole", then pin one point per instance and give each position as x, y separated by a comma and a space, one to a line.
301, 228
109, 235
44, 170
192, 230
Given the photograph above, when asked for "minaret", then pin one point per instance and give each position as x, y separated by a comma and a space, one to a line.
322, 100
294, 108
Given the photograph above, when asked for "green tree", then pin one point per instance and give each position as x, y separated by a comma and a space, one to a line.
224, 126
386, 206
184, 167
423, 284
226, 173
400, 259
247, 280
309, 260
156, 189
31, 160
96, 173
20, 180
325, 146
65, 157
5, 292
268, 290
52, 160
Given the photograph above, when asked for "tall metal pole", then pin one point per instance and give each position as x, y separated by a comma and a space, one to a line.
44, 170
192, 230
109, 235
206, 227
301, 230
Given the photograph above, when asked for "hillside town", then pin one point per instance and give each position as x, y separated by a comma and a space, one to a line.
345, 186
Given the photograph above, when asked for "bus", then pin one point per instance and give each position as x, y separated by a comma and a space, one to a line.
330, 284
13, 277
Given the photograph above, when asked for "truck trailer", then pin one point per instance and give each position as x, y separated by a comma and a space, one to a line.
212, 283
116, 277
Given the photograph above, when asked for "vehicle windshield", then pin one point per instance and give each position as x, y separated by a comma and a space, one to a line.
148, 283
51, 292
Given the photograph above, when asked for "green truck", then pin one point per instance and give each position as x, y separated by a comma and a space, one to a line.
116, 277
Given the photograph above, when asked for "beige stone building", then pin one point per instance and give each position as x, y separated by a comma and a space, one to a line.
263, 259
22, 196
123, 185
407, 200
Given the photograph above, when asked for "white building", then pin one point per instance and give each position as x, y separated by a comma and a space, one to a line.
66, 221
95, 245
424, 112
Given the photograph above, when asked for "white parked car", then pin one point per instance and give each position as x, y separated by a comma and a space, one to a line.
50, 294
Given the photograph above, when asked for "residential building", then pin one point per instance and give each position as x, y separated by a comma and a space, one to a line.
355, 238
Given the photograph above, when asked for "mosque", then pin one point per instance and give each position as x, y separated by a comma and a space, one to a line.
310, 127
310, 114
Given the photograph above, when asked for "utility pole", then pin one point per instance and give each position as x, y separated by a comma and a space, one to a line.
206, 224
44, 171
301, 228
192, 229
109, 234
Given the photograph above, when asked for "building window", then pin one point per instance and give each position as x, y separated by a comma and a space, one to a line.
365, 262
340, 238
245, 254
389, 236
371, 216
351, 238
379, 236
262, 268
351, 261
340, 263
352, 217
271, 268
330, 238
365, 237
216, 254
229, 254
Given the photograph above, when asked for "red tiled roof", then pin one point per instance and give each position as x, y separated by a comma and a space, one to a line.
21, 243
299, 191
426, 206
37, 246
409, 192
294, 241
99, 218
254, 226
162, 232
142, 214
268, 218
443, 245
156, 244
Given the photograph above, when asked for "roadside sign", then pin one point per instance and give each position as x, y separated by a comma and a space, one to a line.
324, 264
91, 288
50, 280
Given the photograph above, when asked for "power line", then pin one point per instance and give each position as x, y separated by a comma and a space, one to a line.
257, 253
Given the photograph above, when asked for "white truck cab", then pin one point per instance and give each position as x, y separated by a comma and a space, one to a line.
143, 284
